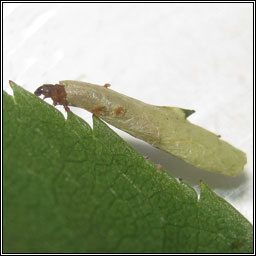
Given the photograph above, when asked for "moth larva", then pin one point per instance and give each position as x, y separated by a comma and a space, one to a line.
166, 128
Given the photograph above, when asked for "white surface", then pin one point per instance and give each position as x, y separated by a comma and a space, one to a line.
196, 56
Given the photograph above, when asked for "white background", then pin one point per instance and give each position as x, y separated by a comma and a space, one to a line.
195, 56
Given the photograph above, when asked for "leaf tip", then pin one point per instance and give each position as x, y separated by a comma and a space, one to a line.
205, 190
12, 84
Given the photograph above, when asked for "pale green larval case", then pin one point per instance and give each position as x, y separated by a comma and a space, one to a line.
166, 128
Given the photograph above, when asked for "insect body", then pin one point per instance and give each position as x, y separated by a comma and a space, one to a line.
164, 127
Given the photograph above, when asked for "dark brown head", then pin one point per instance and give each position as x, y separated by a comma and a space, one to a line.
55, 91
45, 89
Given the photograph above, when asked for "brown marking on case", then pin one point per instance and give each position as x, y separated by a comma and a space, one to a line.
107, 85
120, 111
99, 111
56, 92
159, 167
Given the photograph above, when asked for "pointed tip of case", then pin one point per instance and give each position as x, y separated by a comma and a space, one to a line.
188, 112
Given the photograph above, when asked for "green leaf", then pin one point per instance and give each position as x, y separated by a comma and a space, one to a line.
72, 189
